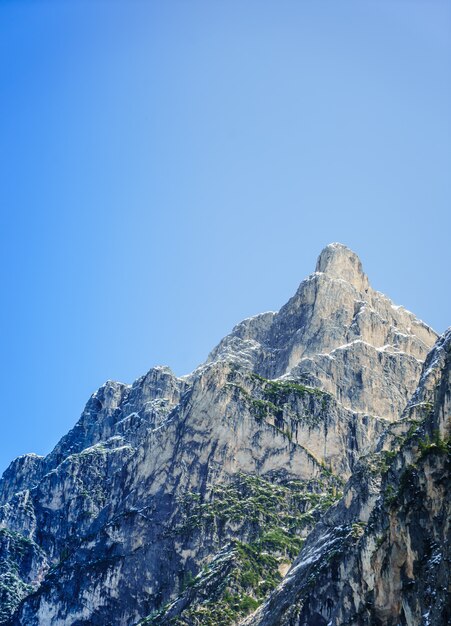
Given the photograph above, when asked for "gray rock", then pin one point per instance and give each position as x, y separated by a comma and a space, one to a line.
339, 333
172, 498
381, 556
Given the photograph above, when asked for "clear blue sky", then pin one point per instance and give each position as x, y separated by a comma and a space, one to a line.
171, 167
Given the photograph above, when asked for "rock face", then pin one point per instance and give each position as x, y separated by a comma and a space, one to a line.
337, 333
382, 554
186, 500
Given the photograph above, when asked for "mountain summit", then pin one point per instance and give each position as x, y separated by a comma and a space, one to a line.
338, 261
187, 501
338, 333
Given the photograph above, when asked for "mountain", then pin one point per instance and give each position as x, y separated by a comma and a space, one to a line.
382, 554
188, 500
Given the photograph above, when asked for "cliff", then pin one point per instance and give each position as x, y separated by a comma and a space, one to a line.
187, 500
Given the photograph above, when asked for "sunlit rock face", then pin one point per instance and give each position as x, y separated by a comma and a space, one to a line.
339, 334
381, 555
186, 500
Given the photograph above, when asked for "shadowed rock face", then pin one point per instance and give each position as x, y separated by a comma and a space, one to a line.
200, 491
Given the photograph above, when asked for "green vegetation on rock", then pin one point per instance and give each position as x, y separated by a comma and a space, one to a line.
269, 521
283, 402
17, 552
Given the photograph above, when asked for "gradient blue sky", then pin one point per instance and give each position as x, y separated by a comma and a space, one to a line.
169, 168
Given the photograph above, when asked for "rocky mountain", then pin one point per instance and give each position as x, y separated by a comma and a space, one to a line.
382, 555
187, 500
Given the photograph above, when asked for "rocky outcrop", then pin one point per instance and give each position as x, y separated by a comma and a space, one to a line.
51, 502
23, 565
185, 500
23, 473
339, 333
381, 556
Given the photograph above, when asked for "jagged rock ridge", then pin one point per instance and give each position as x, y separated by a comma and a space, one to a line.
191, 491
340, 334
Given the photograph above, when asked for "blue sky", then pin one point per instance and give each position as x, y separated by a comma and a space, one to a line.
169, 168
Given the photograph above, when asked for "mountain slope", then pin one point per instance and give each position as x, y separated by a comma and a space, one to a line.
381, 556
175, 498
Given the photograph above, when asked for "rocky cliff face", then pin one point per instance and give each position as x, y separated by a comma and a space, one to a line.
381, 556
338, 333
185, 501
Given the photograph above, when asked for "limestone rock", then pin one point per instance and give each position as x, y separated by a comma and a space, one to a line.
329, 327
381, 556
188, 498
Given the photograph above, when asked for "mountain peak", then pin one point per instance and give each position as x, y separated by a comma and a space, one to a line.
287, 407
338, 261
